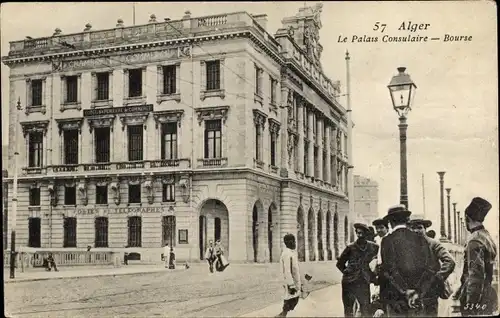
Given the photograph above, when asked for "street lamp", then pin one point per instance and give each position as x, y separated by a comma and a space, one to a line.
14, 197
402, 90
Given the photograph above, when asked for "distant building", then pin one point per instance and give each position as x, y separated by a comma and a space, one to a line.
5, 203
365, 199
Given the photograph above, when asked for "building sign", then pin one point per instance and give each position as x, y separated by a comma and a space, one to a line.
118, 60
118, 110
107, 211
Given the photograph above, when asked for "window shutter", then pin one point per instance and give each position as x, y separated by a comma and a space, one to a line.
177, 78
160, 80
221, 73
110, 85
94, 86
29, 93
125, 83
203, 80
144, 80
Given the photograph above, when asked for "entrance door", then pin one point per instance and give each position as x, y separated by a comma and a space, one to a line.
34, 235
270, 234
202, 235
255, 233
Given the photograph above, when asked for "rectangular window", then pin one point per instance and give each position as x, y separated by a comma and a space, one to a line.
273, 149
168, 230
69, 232
333, 170
35, 149
35, 197
306, 122
134, 231
69, 195
101, 194
316, 166
258, 143
71, 89
258, 80
71, 147
273, 91
135, 83
168, 192
101, 231
36, 92
102, 86
306, 156
169, 141
213, 138
169, 79
102, 145
213, 75
345, 145
134, 193
325, 167
135, 142
34, 232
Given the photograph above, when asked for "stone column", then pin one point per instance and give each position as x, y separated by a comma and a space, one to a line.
310, 166
455, 237
448, 190
300, 144
457, 226
441, 187
319, 138
328, 163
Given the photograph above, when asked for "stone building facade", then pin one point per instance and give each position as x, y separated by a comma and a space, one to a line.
217, 131
365, 199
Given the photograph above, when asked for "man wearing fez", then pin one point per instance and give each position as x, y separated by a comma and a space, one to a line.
357, 276
404, 269
431, 234
442, 265
476, 295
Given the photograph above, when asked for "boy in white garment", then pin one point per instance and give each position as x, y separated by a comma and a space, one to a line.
292, 284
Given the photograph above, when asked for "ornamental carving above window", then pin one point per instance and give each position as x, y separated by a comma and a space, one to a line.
101, 121
69, 124
259, 118
168, 116
210, 113
134, 119
35, 126
274, 126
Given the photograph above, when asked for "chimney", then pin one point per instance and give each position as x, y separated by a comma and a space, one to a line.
261, 19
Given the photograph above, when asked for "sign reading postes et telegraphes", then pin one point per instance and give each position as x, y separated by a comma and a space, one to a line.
118, 110
118, 60
107, 211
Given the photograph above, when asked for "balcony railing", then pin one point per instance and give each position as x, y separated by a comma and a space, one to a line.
212, 162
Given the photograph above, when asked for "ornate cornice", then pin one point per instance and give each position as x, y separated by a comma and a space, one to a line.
69, 124
208, 113
35, 126
259, 118
101, 121
168, 116
133, 119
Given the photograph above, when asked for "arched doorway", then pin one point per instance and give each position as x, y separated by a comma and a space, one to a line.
319, 237
255, 232
301, 240
202, 236
214, 224
311, 232
336, 235
346, 230
328, 235
272, 217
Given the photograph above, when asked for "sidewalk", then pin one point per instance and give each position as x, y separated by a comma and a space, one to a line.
325, 302
84, 271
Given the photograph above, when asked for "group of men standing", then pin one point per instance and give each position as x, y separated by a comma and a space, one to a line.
410, 269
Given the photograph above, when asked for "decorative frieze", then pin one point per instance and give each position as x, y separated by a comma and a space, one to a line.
69, 124
35, 126
168, 116
210, 113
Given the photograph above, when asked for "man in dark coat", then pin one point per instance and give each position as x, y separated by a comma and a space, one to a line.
404, 269
477, 296
357, 276
443, 265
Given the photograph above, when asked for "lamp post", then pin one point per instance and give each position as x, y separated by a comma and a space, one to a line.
448, 190
455, 222
13, 252
441, 190
402, 90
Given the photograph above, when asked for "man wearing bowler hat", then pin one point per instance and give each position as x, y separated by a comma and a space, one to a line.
477, 296
357, 276
405, 267
442, 265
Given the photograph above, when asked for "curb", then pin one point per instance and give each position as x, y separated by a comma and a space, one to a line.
22, 280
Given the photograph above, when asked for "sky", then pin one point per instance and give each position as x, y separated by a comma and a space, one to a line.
453, 125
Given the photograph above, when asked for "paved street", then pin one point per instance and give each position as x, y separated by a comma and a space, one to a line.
241, 289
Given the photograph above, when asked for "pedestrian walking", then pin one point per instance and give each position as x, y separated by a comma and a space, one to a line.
210, 256
166, 255
442, 265
171, 258
357, 276
220, 262
405, 276
476, 295
290, 270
